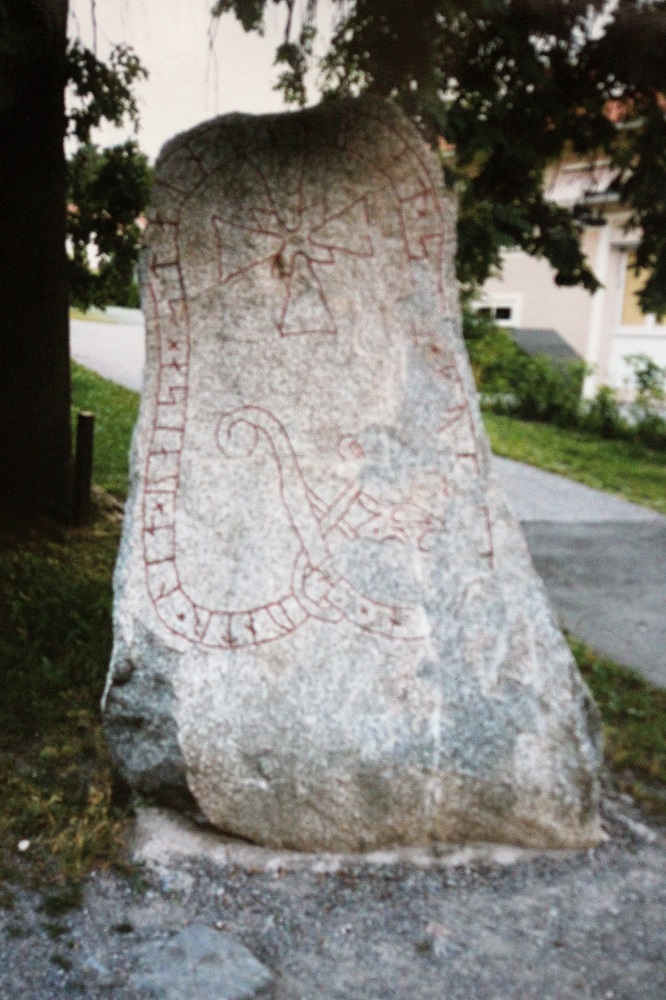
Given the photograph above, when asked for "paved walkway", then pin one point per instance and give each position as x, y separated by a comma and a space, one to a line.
115, 350
602, 559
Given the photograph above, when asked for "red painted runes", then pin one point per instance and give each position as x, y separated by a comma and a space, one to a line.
293, 244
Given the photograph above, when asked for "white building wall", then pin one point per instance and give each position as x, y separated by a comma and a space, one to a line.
539, 302
591, 324
626, 343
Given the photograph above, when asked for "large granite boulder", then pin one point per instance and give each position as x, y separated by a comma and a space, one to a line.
328, 631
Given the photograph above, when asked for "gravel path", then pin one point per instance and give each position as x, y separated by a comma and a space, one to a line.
589, 926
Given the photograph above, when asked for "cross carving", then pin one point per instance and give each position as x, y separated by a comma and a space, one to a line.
294, 242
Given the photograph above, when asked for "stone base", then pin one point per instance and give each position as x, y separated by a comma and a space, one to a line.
163, 839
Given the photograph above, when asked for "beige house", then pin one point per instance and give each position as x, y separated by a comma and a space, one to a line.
602, 328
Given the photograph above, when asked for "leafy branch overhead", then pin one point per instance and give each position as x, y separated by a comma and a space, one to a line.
102, 91
107, 190
513, 86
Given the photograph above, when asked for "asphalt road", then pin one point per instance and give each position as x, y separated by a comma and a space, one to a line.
114, 350
603, 560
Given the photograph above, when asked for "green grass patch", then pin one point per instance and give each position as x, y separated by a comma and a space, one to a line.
91, 315
55, 641
634, 720
115, 410
626, 469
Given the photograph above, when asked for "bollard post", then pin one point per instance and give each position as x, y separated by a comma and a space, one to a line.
83, 465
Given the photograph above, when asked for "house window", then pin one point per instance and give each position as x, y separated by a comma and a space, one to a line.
501, 314
633, 284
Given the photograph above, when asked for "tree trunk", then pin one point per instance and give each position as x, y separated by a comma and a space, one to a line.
35, 435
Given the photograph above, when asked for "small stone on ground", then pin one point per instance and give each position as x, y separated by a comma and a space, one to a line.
202, 963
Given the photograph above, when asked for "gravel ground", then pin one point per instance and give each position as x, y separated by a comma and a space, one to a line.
590, 926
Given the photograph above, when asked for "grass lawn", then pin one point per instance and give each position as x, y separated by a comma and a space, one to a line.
630, 471
634, 719
92, 315
55, 641
115, 410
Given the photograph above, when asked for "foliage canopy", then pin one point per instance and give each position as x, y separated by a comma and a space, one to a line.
108, 189
514, 86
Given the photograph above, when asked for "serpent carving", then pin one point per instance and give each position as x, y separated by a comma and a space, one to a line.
317, 591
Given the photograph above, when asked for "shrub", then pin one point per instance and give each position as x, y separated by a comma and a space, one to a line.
514, 382
495, 359
548, 390
648, 406
650, 379
603, 416
651, 431
535, 387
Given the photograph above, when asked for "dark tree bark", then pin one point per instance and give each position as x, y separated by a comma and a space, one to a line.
35, 435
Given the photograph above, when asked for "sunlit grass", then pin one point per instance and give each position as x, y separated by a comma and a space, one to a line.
115, 410
92, 315
625, 469
634, 718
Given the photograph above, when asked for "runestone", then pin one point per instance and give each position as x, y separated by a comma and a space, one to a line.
328, 631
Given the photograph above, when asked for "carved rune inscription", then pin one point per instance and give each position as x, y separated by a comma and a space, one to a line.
292, 236
294, 246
